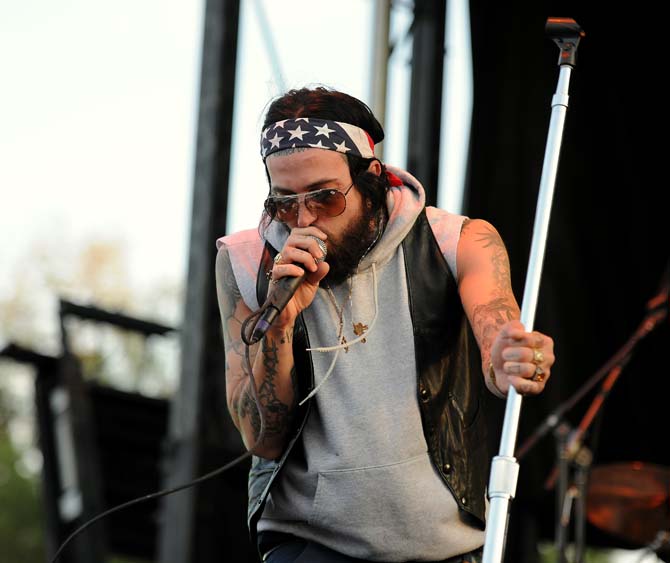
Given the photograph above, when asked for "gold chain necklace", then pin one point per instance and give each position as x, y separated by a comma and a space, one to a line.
358, 328
340, 313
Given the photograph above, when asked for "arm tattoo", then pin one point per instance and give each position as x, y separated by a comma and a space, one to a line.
242, 403
248, 408
499, 259
231, 291
232, 297
487, 319
287, 337
276, 412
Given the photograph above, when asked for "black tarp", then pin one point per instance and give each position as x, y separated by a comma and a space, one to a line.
608, 240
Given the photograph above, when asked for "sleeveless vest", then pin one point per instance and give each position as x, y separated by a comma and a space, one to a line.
449, 383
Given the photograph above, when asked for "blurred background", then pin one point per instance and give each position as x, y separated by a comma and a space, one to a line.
129, 143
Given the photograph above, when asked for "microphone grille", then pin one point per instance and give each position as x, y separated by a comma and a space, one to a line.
322, 246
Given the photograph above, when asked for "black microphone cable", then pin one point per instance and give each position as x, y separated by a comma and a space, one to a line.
246, 338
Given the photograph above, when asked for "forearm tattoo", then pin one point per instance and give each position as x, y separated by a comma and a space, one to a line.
287, 337
242, 404
276, 413
488, 318
240, 400
232, 325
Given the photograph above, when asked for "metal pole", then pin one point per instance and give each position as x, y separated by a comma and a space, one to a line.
379, 65
561, 530
583, 464
425, 116
270, 45
188, 531
504, 468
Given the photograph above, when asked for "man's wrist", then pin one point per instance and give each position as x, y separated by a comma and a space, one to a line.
280, 334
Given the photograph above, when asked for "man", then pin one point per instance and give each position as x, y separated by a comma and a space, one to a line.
366, 419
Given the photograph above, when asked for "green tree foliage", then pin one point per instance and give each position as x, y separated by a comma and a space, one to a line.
93, 274
21, 531
549, 554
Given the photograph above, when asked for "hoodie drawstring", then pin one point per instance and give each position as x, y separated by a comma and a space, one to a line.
338, 348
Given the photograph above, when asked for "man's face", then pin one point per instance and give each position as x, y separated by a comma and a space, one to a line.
350, 233
310, 170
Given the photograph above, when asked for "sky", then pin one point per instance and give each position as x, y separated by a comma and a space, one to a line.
99, 109
98, 117
97, 126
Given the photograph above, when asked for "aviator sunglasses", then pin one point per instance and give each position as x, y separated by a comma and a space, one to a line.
327, 202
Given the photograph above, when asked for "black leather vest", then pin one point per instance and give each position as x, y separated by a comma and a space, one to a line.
450, 386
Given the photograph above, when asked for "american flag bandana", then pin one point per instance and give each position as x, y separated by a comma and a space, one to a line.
316, 133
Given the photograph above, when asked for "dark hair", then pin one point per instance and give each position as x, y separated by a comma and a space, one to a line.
326, 103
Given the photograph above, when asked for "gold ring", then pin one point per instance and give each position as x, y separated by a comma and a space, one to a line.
538, 356
277, 258
538, 376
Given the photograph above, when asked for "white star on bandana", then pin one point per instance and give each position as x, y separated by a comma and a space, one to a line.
324, 130
274, 142
297, 133
341, 147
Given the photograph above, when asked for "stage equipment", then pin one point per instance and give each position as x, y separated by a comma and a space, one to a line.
630, 500
572, 453
566, 33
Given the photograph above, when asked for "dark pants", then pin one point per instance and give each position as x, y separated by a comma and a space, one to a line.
284, 548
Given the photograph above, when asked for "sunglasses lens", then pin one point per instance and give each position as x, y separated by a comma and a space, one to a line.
330, 203
283, 208
326, 203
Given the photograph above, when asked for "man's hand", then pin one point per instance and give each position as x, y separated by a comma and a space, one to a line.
521, 359
301, 254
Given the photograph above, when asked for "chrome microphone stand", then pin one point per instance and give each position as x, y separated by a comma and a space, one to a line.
566, 33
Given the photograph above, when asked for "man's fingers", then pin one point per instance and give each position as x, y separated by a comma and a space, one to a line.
525, 386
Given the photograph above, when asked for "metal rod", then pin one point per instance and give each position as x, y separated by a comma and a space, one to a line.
381, 50
583, 463
561, 529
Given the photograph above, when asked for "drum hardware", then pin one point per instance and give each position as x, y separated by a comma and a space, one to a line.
574, 457
630, 500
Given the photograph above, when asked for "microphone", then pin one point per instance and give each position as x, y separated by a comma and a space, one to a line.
279, 295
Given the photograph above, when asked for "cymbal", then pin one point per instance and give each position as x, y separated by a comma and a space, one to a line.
629, 500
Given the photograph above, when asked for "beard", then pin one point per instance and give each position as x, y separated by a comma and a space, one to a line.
346, 251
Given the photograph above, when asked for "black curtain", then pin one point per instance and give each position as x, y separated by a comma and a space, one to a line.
608, 242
